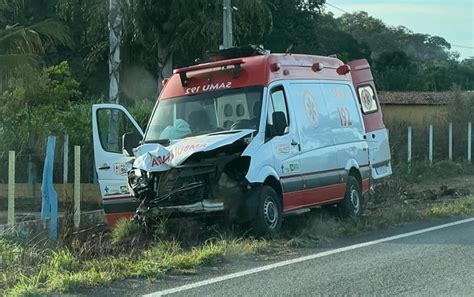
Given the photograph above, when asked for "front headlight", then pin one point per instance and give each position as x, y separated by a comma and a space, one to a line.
142, 182
137, 180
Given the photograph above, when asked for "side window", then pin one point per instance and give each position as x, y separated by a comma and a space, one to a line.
277, 103
367, 99
112, 124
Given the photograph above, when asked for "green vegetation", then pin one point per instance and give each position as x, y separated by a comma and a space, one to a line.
423, 171
32, 266
324, 228
54, 66
124, 228
160, 35
56, 58
460, 207
71, 268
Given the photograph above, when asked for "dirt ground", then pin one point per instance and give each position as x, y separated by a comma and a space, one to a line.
458, 182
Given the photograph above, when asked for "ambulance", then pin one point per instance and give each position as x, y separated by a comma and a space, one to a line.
248, 135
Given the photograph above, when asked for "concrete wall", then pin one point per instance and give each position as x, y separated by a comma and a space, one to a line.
414, 114
89, 192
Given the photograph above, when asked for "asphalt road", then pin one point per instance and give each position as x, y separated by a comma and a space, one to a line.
439, 262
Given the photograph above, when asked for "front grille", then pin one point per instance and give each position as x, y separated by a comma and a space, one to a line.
183, 185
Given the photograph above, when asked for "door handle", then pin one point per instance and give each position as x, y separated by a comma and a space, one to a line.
104, 167
293, 142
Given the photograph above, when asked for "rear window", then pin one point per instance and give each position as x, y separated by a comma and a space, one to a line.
367, 99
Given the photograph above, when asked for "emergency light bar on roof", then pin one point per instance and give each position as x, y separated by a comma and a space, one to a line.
237, 52
183, 71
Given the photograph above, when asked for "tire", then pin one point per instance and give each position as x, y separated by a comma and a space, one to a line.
269, 216
351, 206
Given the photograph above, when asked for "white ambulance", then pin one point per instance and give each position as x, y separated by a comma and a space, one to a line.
253, 137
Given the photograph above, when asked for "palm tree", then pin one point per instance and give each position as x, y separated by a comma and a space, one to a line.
25, 45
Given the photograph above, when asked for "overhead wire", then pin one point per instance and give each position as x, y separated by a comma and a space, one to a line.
462, 46
345, 11
334, 6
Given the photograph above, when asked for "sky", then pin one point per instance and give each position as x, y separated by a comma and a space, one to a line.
451, 19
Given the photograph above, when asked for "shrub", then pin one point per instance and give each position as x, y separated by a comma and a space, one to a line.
123, 229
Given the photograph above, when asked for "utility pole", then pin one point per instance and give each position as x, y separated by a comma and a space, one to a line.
115, 33
227, 24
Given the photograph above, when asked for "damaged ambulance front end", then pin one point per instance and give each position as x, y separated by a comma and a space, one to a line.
190, 161
201, 175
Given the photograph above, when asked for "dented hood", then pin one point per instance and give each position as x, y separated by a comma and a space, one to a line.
153, 157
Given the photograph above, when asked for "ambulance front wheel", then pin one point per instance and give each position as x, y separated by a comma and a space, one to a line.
269, 216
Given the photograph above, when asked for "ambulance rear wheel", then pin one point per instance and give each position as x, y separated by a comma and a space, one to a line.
351, 206
269, 215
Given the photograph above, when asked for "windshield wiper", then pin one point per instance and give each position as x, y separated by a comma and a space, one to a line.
159, 141
224, 132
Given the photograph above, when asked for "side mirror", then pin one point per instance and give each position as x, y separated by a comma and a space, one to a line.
279, 123
130, 141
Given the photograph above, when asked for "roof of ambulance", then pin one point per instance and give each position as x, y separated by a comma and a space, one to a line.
255, 71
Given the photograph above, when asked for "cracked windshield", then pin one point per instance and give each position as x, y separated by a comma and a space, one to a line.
236, 148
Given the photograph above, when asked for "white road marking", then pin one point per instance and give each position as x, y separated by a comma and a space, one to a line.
301, 259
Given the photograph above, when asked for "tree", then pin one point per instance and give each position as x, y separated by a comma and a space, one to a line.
382, 38
295, 25
33, 107
87, 20
25, 45
25, 41
161, 34
394, 71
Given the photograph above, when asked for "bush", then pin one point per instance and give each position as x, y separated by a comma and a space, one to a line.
443, 169
124, 229
63, 260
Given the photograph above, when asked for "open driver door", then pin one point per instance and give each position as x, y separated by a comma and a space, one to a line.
109, 123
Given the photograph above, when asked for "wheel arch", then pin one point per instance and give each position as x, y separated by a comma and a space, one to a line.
353, 169
276, 185
355, 172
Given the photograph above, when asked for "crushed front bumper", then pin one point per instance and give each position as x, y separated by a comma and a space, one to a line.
204, 206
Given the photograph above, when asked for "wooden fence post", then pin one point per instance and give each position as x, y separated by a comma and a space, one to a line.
469, 141
65, 159
77, 186
450, 140
430, 152
410, 134
11, 188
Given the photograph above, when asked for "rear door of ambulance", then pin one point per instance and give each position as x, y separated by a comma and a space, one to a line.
377, 134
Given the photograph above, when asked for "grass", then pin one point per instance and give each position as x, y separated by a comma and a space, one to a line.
324, 227
124, 228
32, 267
60, 271
460, 207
